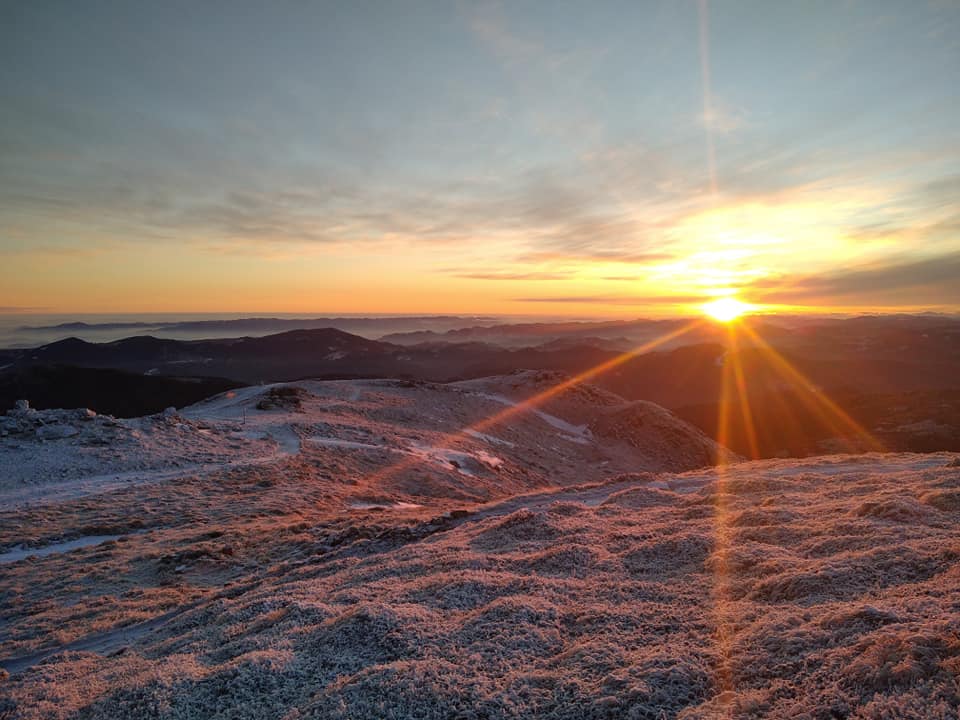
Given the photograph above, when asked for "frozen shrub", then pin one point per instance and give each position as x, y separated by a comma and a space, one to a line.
900, 509
283, 397
762, 518
685, 553
748, 558
794, 586
891, 660
756, 484
565, 561
369, 632
466, 592
561, 508
517, 625
863, 617
517, 529
641, 497
423, 689
946, 500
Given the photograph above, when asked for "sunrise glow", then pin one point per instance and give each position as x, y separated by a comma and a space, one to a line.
725, 309
468, 159
480, 358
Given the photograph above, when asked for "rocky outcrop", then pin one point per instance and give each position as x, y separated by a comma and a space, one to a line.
26, 421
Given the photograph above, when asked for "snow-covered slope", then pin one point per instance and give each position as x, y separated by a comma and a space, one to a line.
378, 437
361, 555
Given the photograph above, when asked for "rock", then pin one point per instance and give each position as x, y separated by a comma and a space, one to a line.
22, 409
56, 432
85, 414
283, 398
9, 424
170, 412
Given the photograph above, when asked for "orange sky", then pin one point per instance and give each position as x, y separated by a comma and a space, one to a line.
620, 160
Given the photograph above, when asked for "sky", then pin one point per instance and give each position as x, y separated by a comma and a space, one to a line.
633, 158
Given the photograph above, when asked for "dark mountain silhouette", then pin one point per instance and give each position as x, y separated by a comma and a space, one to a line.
110, 392
861, 363
371, 326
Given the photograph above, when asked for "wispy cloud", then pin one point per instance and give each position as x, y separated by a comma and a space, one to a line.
617, 299
723, 118
512, 275
491, 139
899, 281
581, 252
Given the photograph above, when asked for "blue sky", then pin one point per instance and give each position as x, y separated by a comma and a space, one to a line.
518, 156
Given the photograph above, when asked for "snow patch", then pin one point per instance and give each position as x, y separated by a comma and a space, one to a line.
337, 442
489, 438
575, 433
466, 463
249, 434
463, 462
383, 506
21, 553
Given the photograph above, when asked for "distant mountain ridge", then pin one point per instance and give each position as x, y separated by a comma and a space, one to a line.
863, 363
367, 325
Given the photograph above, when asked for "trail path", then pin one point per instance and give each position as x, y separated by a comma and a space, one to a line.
18, 498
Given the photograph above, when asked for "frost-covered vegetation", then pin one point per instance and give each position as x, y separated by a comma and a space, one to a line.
816, 588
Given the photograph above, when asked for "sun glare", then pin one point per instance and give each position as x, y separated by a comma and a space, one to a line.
725, 309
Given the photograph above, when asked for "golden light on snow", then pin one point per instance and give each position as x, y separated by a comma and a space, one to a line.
725, 309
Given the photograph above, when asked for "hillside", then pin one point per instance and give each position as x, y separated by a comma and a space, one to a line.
906, 399
372, 438
336, 550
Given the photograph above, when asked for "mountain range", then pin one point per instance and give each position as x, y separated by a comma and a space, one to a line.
895, 375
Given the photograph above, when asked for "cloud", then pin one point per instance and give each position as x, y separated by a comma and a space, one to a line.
941, 192
21, 249
513, 275
921, 233
585, 252
907, 282
552, 208
490, 25
723, 118
248, 189
617, 300
525, 51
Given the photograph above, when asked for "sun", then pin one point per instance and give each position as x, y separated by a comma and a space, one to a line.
725, 309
